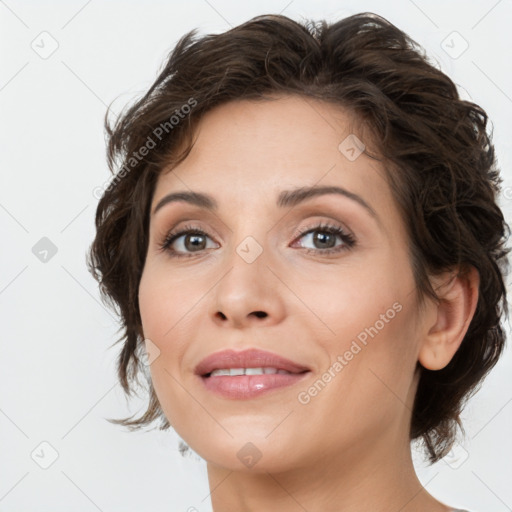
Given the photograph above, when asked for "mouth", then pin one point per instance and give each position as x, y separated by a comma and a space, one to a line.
248, 374
250, 362
234, 372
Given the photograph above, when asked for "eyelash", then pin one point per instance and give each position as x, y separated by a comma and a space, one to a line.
348, 240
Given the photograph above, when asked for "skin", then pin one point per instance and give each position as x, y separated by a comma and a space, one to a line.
348, 448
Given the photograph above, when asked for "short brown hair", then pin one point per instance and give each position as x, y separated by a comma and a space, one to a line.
439, 160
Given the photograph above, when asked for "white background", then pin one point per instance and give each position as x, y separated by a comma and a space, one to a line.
57, 364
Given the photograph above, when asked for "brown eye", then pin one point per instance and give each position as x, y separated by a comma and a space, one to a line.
194, 242
323, 238
186, 242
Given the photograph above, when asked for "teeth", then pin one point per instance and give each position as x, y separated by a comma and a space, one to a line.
246, 371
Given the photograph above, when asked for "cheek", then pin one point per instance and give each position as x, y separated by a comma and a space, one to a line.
166, 309
164, 302
348, 300
366, 315
366, 381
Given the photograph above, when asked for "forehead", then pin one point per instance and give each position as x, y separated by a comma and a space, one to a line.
249, 150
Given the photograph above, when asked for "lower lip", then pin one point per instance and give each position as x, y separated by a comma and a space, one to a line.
240, 387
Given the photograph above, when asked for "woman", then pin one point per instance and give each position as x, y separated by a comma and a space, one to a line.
303, 234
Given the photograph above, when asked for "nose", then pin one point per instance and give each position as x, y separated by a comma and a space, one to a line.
248, 294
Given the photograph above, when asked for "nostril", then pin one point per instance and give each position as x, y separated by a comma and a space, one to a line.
260, 314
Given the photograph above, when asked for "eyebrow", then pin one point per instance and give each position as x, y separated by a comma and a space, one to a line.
286, 198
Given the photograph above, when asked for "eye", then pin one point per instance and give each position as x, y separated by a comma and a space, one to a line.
190, 240
194, 240
323, 237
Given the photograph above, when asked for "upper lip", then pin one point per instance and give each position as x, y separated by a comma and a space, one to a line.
249, 358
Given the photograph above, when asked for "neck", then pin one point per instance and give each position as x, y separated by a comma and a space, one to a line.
369, 476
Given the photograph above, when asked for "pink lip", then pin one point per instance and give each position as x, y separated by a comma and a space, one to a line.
248, 386
250, 358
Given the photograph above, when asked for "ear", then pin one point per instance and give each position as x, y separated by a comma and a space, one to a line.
458, 296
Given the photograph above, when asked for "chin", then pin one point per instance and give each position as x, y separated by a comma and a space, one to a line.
242, 454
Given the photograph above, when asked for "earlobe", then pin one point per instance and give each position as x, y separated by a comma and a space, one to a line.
458, 296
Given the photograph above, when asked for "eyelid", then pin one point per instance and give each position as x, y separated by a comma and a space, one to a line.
323, 224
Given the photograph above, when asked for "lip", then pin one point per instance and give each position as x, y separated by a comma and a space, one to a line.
248, 386
249, 358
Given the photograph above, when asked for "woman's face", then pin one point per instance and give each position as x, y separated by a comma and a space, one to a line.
341, 305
